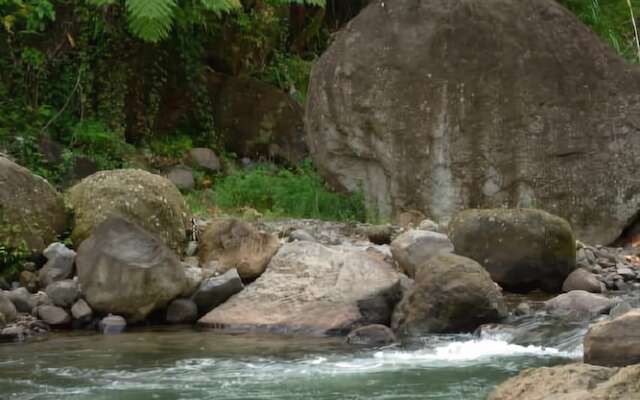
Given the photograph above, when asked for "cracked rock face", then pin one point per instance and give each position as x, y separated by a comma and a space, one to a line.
442, 105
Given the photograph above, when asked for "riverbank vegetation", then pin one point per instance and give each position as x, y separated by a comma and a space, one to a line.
101, 84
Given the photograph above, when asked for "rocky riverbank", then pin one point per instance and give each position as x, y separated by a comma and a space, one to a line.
372, 284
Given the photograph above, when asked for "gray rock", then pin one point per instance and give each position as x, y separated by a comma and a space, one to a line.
626, 273
7, 308
301, 235
193, 278
182, 177
205, 159
579, 303
59, 265
22, 299
451, 294
441, 129
63, 293
112, 325
42, 299
215, 291
522, 309
413, 248
614, 343
429, 225
54, 316
81, 311
182, 311
581, 279
124, 269
523, 249
379, 234
372, 335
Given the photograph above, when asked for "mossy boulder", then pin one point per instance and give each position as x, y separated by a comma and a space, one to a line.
149, 200
451, 294
32, 213
523, 249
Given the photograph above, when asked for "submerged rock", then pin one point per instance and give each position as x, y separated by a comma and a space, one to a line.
443, 114
451, 294
148, 200
413, 248
125, 270
579, 303
112, 325
571, 382
614, 343
523, 249
232, 243
372, 335
314, 290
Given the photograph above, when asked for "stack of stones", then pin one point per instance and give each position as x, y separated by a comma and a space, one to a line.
617, 268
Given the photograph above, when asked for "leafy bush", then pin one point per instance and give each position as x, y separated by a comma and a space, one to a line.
298, 193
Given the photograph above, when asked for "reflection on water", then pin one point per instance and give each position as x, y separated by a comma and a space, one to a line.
169, 365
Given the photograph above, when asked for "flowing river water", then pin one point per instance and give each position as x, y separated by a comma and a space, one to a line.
168, 364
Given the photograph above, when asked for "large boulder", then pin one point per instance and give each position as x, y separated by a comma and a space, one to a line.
614, 343
414, 247
451, 294
32, 213
523, 249
226, 244
149, 200
258, 120
444, 114
125, 270
571, 382
314, 290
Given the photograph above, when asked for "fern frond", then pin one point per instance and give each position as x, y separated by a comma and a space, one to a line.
221, 6
151, 20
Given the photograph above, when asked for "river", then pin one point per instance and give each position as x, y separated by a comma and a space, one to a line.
168, 364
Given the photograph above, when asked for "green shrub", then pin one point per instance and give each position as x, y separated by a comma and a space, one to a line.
298, 193
172, 146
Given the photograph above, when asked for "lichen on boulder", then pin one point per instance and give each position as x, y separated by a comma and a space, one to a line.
149, 200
